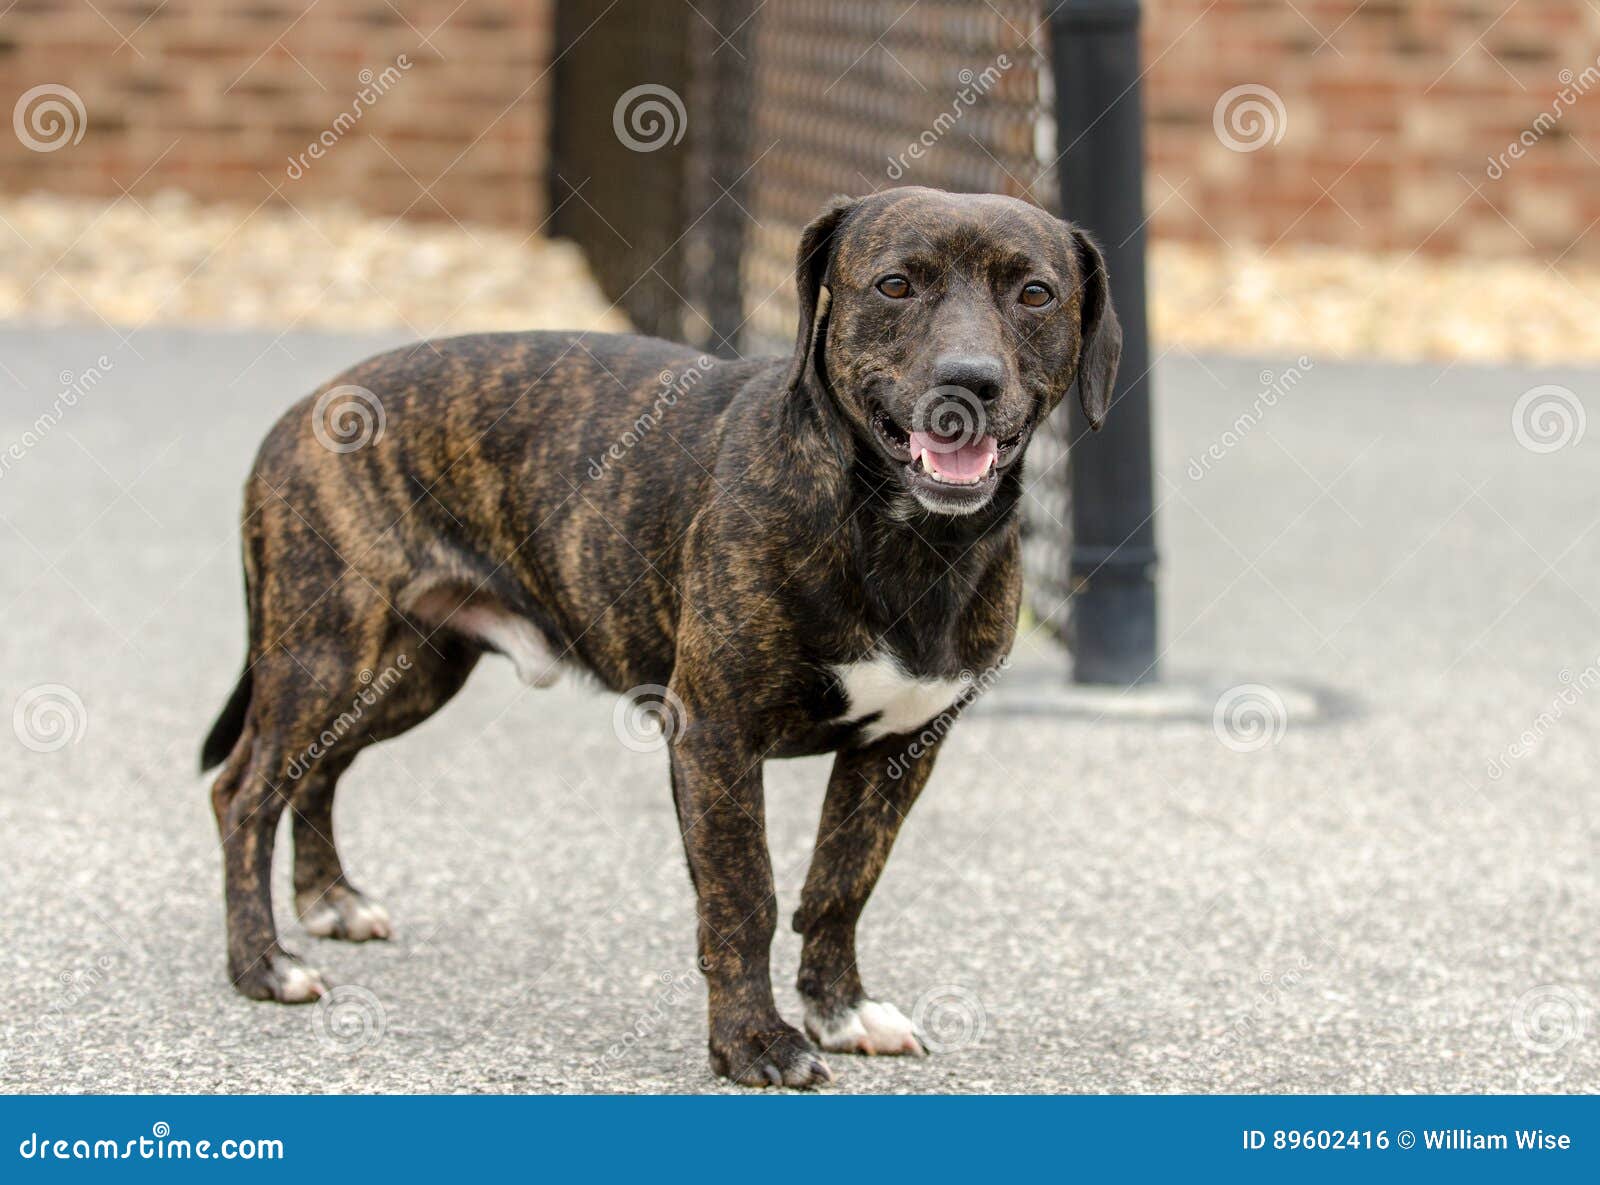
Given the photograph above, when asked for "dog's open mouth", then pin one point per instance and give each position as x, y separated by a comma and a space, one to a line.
953, 471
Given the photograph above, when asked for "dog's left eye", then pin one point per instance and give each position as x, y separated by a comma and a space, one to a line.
1036, 296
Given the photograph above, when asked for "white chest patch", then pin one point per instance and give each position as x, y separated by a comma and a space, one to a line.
902, 702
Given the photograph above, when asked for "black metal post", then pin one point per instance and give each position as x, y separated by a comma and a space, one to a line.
1100, 128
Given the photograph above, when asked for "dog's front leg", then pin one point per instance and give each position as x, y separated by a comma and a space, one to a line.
869, 794
717, 787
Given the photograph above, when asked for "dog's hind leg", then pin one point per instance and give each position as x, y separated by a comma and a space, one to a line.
328, 905
415, 681
305, 702
249, 797
869, 794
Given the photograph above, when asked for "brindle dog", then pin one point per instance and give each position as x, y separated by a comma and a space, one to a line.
807, 554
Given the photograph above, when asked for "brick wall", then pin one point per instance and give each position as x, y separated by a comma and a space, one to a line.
216, 96
1392, 109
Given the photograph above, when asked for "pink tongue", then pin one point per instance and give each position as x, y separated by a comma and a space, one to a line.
952, 457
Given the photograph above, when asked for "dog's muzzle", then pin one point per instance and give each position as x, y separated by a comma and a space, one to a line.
951, 459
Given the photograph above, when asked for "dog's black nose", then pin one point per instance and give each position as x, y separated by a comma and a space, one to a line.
981, 374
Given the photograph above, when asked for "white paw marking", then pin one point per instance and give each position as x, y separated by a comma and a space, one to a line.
297, 984
871, 1027
903, 702
361, 919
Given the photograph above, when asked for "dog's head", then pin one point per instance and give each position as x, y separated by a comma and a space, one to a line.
946, 327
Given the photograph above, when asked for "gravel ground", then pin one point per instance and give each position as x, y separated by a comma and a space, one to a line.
1098, 893
1339, 303
170, 261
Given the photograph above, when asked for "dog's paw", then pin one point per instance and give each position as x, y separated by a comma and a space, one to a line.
345, 913
282, 977
869, 1026
772, 1056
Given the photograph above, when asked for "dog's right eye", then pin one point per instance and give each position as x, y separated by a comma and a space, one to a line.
895, 287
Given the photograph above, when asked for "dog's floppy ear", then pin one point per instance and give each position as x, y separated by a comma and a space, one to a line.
1100, 347
811, 276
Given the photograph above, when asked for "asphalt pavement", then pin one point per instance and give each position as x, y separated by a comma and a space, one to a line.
1349, 844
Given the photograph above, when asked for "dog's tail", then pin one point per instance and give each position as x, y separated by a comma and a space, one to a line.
229, 727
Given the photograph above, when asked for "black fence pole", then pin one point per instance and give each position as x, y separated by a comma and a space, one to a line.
1100, 127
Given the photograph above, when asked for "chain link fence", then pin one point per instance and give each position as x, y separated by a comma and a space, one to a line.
692, 143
